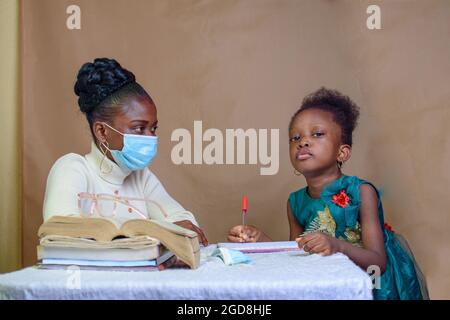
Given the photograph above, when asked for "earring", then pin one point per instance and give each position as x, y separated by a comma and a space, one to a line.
297, 173
340, 164
106, 146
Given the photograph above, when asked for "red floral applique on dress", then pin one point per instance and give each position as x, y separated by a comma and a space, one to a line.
387, 226
341, 199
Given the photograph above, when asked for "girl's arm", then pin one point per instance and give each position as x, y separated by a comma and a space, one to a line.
372, 252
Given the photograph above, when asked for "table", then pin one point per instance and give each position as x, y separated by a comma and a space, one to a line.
270, 276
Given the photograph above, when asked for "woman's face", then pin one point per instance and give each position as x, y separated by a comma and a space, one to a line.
136, 116
315, 141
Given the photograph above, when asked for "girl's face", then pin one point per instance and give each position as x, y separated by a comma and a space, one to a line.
315, 143
137, 116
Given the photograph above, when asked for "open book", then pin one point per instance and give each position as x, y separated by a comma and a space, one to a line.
181, 241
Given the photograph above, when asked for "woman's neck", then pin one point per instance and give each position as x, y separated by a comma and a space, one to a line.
317, 183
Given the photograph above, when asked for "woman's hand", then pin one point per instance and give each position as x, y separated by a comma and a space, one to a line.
244, 234
319, 242
189, 225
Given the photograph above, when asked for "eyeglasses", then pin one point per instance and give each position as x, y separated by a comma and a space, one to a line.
108, 205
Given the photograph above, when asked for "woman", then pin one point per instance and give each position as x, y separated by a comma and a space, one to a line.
123, 120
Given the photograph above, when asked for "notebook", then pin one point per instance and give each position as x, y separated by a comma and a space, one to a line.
261, 247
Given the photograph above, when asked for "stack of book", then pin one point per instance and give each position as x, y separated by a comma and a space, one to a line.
101, 244
128, 254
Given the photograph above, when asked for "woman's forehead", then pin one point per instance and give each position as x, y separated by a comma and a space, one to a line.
137, 109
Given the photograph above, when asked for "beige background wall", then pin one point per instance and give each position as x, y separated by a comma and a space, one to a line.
247, 64
10, 178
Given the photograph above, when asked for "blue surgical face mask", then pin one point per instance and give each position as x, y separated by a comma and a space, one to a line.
231, 257
137, 153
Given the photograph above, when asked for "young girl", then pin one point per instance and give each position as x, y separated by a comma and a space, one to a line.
335, 212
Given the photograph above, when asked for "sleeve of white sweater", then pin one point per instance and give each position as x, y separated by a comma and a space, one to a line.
173, 211
65, 180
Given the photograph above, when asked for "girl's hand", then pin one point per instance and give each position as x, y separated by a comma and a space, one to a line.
189, 225
244, 234
319, 242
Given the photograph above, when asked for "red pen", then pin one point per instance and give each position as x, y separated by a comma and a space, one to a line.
244, 208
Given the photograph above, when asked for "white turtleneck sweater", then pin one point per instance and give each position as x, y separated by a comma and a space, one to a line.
73, 173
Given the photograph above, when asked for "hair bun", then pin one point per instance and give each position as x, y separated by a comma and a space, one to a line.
97, 80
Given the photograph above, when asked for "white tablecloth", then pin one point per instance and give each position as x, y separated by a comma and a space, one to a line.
286, 275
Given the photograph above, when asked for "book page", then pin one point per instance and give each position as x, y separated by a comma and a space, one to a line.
100, 229
129, 226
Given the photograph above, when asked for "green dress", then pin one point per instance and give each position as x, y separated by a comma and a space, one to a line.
336, 213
